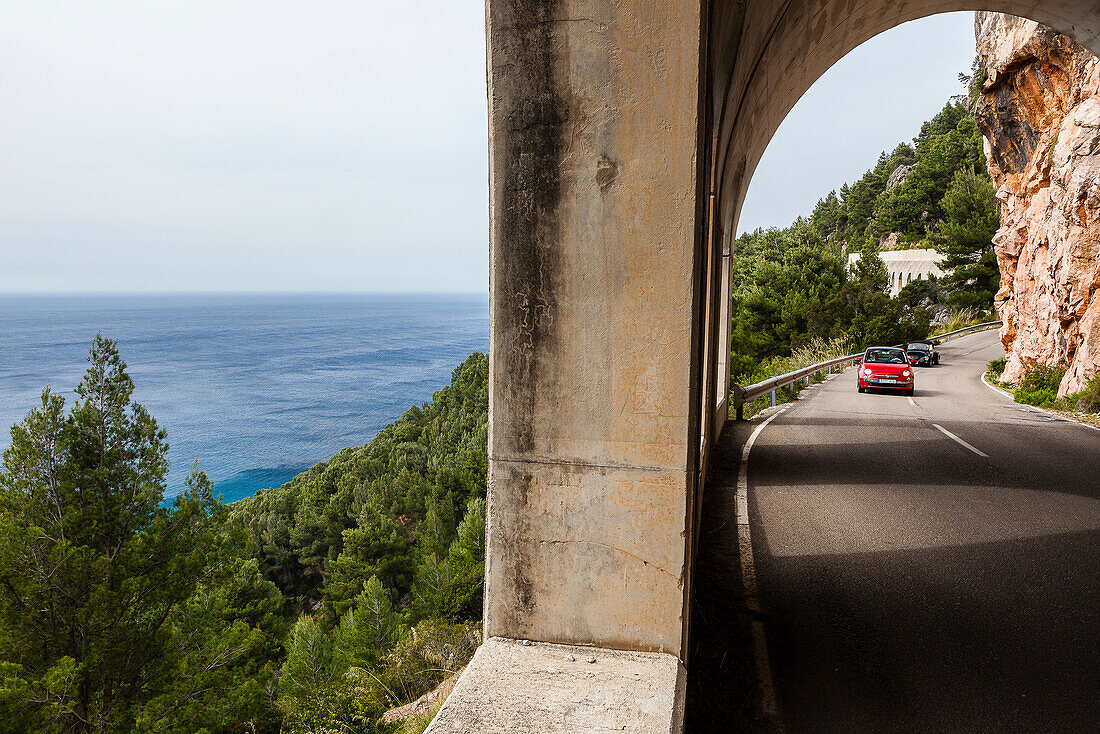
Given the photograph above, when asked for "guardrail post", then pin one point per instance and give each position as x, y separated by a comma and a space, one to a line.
771, 397
737, 395
806, 381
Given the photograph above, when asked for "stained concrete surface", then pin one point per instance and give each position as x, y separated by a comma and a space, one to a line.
593, 217
513, 687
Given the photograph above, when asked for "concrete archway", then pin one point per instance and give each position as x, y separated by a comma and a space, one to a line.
783, 46
623, 135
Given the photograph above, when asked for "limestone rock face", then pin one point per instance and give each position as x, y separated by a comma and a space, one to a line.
1040, 113
898, 176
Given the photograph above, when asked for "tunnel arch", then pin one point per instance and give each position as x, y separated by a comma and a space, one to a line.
762, 57
750, 91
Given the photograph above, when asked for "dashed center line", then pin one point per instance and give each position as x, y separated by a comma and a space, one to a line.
958, 440
911, 401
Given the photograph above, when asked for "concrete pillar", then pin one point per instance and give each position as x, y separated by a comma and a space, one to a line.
595, 320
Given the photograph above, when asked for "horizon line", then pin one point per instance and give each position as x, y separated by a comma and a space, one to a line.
243, 292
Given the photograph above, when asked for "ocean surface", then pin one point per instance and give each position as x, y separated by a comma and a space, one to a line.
256, 388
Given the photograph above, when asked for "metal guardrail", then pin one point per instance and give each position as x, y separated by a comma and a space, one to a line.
940, 338
742, 395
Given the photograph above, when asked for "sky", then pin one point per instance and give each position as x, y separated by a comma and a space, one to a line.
874, 98
329, 146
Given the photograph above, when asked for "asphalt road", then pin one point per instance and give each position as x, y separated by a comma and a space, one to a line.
909, 584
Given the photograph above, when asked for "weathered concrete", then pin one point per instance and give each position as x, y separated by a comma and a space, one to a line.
522, 688
593, 109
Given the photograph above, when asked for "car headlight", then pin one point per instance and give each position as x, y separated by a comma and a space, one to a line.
906, 373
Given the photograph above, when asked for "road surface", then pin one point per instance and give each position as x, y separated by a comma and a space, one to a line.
929, 565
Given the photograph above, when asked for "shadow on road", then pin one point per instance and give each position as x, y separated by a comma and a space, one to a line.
723, 695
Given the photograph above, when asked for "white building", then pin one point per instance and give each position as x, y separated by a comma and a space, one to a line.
905, 266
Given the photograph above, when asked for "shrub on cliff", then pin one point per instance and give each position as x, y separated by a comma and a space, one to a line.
995, 369
1088, 400
1040, 386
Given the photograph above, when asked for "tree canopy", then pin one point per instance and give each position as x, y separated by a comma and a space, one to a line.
312, 606
794, 285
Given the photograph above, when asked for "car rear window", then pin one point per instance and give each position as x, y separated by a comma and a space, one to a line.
920, 347
885, 356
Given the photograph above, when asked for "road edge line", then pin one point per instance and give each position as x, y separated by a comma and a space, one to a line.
996, 389
769, 703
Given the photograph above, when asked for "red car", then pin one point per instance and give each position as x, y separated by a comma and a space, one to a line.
887, 368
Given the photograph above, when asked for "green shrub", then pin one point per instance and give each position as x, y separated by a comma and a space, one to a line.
1040, 386
995, 369
959, 318
1088, 400
430, 652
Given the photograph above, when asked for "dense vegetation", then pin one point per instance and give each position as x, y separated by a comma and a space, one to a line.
792, 287
1040, 387
311, 607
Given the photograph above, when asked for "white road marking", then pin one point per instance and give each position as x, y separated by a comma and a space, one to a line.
995, 389
911, 402
958, 440
748, 578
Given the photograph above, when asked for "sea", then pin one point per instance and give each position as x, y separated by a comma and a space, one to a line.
256, 388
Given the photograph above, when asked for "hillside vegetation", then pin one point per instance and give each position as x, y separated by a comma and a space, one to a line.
793, 286
311, 607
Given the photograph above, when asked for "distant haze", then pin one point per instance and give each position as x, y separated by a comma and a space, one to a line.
328, 146
229, 145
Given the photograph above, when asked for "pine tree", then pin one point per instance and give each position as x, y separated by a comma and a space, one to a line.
311, 660
224, 652
92, 565
370, 629
965, 238
469, 546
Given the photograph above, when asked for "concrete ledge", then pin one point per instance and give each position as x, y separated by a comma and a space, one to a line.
522, 688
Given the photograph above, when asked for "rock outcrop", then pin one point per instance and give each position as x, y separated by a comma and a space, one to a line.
1040, 112
898, 176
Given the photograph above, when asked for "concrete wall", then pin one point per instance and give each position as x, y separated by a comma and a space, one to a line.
594, 117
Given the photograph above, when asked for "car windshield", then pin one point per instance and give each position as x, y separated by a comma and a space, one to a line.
920, 347
885, 356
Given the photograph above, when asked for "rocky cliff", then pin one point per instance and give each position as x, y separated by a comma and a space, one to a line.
1039, 109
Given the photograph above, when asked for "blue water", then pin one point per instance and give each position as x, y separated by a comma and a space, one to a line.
257, 388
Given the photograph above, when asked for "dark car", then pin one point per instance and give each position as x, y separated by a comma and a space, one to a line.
885, 368
922, 352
